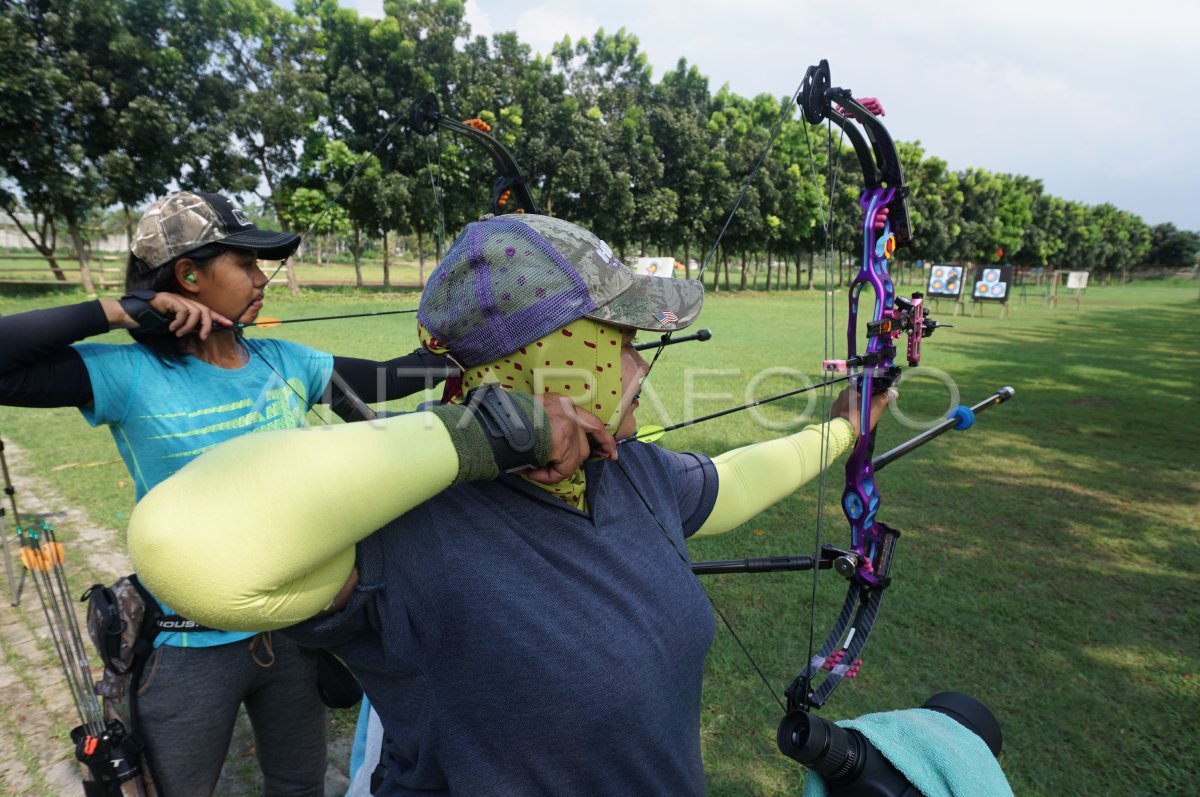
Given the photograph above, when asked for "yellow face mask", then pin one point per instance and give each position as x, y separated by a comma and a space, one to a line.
581, 361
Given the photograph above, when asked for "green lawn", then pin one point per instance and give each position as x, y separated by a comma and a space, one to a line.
1049, 557
108, 271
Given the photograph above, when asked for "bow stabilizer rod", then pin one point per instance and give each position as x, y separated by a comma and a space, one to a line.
666, 340
960, 419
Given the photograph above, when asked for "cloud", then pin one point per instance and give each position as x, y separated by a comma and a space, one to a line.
478, 19
541, 27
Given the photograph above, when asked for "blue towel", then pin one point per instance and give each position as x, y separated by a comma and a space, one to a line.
364, 755
358, 749
938, 755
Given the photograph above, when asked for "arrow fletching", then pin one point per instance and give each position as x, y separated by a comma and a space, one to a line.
649, 434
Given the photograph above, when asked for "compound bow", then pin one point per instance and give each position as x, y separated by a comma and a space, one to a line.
866, 564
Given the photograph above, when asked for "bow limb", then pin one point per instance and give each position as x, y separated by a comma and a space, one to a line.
425, 119
511, 182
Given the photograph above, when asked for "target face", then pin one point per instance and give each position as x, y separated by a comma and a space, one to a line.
991, 283
654, 266
945, 281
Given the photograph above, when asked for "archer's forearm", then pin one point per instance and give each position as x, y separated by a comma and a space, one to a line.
38, 368
756, 477
377, 381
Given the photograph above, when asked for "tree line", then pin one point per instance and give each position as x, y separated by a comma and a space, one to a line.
108, 103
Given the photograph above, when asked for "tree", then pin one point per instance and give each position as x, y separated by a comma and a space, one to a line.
1172, 248
43, 166
309, 209
608, 78
678, 117
373, 70
352, 182
802, 195
274, 57
127, 103
935, 204
1044, 239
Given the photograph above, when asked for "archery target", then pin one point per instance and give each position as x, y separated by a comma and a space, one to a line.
945, 281
654, 266
991, 283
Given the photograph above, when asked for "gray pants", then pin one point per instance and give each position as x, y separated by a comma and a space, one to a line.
188, 703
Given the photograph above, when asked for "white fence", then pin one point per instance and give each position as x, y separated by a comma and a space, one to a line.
12, 238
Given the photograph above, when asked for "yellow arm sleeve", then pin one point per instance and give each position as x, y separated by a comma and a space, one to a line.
260, 532
755, 477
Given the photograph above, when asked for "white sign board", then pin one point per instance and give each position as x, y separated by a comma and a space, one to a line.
654, 266
1077, 280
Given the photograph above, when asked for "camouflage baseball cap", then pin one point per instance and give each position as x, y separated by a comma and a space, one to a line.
510, 280
182, 222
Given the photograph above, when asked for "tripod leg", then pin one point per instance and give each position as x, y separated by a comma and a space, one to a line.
13, 588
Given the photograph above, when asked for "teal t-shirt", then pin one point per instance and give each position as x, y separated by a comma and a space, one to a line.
163, 414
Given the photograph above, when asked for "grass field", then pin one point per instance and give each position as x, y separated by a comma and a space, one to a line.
109, 272
1049, 560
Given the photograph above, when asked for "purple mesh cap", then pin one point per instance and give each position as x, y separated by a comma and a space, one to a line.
513, 279
181, 222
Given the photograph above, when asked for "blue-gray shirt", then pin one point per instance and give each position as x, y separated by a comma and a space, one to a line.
513, 645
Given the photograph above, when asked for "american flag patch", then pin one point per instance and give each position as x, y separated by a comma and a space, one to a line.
666, 317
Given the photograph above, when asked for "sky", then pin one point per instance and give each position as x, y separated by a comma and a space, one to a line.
1091, 97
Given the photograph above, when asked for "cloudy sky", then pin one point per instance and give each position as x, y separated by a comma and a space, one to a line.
1094, 98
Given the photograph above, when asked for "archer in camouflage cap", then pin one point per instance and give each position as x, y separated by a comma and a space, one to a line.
188, 220
510, 280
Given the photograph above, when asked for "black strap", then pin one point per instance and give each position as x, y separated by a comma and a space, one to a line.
155, 621
136, 305
508, 430
377, 776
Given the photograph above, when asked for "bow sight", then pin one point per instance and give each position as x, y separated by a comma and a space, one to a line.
908, 316
911, 317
